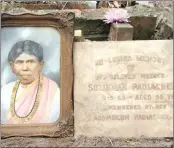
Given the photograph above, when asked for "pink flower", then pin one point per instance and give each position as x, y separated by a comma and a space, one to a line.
116, 15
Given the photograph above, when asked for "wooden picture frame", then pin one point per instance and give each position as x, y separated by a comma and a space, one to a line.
63, 22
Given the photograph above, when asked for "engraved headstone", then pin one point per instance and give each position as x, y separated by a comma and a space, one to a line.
124, 89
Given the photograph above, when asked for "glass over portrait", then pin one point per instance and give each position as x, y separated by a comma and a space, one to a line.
30, 75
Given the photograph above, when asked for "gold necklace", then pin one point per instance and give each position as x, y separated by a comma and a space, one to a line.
35, 105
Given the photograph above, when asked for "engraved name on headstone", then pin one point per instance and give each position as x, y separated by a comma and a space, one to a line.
124, 89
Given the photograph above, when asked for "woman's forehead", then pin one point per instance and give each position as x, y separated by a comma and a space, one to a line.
25, 57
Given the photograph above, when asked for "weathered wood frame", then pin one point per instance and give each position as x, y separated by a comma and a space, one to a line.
64, 23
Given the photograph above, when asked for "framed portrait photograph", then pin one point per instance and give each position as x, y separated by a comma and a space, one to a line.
36, 73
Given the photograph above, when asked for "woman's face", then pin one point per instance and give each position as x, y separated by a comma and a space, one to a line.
27, 68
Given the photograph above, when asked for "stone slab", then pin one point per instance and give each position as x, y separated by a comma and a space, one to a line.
123, 88
142, 18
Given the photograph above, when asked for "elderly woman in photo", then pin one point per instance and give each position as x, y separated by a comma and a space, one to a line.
33, 98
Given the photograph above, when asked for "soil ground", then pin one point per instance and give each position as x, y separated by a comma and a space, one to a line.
85, 142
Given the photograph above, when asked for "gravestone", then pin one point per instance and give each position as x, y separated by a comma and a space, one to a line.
124, 89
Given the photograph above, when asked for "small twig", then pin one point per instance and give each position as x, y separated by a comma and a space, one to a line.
127, 4
64, 5
111, 142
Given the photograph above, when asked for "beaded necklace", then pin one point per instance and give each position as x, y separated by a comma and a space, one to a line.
35, 105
